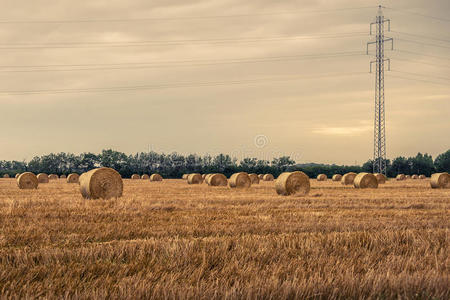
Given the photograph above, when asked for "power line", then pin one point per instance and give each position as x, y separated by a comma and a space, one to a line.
428, 76
186, 63
182, 18
422, 54
423, 63
175, 85
422, 36
400, 10
174, 42
423, 43
419, 80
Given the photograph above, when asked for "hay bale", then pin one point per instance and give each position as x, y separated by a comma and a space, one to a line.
406, 177
401, 177
217, 179
207, 177
268, 177
104, 183
365, 181
185, 176
145, 177
17, 175
440, 181
254, 178
415, 176
422, 177
135, 176
204, 176
63, 176
156, 177
195, 178
42, 178
73, 178
5, 175
381, 178
27, 181
289, 183
322, 177
348, 178
241, 180
261, 176
336, 177
53, 177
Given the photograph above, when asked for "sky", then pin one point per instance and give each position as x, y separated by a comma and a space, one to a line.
247, 78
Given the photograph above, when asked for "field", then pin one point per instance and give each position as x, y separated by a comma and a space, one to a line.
173, 240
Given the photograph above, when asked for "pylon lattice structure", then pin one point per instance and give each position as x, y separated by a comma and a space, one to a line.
379, 137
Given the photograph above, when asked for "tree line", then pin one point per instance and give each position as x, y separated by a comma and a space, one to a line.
174, 165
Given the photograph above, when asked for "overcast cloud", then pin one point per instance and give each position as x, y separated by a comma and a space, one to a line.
312, 117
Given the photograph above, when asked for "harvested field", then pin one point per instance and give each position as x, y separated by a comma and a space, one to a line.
173, 240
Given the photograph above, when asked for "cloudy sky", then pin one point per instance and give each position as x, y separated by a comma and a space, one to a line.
249, 78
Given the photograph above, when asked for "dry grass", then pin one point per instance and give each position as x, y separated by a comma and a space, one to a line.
173, 240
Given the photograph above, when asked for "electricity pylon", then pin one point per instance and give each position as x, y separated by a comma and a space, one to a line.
379, 136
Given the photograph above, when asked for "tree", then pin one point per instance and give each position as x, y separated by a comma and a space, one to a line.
115, 160
248, 164
442, 162
86, 162
223, 163
421, 164
368, 166
400, 165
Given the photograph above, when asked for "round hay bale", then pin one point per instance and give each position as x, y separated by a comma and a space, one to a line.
289, 183
73, 178
135, 176
422, 177
348, 178
5, 175
365, 181
401, 177
17, 175
53, 177
204, 176
415, 176
381, 178
145, 177
241, 180
336, 177
42, 178
207, 178
268, 177
156, 177
185, 176
261, 176
321, 177
254, 178
440, 181
104, 183
217, 179
27, 181
63, 176
195, 178
406, 177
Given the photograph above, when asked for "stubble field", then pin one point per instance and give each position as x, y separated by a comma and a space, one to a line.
173, 240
